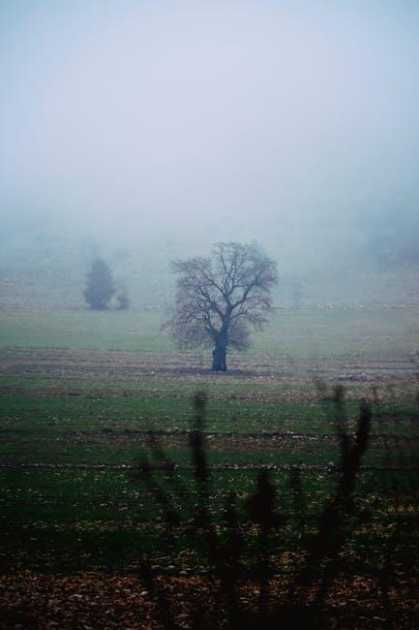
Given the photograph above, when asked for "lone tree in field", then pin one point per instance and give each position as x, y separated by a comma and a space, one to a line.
99, 285
218, 298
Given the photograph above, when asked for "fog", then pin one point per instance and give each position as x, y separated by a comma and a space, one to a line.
147, 130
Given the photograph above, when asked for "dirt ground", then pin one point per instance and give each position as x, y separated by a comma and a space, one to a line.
69, 363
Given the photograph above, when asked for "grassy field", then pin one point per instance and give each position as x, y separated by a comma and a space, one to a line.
323, 333
86, 399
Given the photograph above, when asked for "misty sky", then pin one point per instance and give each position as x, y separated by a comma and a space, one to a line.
261, 119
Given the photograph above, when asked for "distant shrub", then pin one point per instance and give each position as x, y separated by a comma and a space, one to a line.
99, 285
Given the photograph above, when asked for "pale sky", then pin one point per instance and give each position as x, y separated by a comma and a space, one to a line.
248, 115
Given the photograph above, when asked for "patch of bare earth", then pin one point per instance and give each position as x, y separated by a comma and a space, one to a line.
188, 367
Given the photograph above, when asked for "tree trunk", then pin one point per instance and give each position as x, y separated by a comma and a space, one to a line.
219, 358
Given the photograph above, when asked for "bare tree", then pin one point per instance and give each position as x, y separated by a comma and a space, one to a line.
219, 297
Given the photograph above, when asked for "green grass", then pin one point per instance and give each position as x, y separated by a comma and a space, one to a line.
70, 521
59, 413
75, 519
102, 330
369, 332
51, 415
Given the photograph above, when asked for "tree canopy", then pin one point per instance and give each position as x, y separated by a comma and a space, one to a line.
220, 297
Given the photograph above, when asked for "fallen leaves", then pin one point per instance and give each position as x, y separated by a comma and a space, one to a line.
92, 600
88, 600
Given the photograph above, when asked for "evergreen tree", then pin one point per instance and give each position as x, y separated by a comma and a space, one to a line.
99, 285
